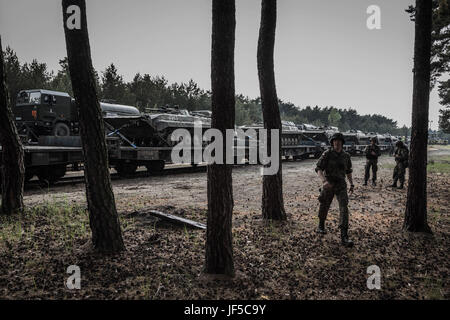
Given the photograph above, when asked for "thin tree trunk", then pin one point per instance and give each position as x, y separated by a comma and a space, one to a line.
272, 197
12, 171
416, 205
219, 247
104, 221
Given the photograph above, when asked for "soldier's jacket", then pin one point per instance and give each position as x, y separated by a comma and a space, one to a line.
401, 154
368, 152
335, 165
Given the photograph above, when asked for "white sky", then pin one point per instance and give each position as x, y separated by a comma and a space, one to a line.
325, 55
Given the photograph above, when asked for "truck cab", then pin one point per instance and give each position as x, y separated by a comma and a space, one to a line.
43, 112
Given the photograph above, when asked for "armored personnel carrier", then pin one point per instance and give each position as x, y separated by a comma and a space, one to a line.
294, 144
154, 129
145, 139
384, 141
320, 136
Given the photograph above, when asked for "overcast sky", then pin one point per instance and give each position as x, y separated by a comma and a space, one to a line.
325, 55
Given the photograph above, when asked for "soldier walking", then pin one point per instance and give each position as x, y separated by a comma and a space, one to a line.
372, 153
401, 158
333, 166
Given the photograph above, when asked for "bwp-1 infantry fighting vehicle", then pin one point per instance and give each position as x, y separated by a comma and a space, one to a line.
294, 144
318, 135
151, 133
385, 141
356, 142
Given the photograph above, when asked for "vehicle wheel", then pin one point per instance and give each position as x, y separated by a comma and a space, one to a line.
61, 130
125, 169
28, 175
51, 174
155, 166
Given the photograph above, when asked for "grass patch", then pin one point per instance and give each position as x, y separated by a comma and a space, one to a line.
433, 288
440, 146
387, 165
439, 164
60, 222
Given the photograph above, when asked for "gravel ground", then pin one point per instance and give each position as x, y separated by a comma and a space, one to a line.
273, 260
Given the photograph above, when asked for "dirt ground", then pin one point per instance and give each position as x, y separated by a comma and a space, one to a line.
273, 260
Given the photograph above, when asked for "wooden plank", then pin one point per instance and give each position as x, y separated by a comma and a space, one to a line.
177, 220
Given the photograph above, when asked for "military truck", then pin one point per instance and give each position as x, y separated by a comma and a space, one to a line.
40, 112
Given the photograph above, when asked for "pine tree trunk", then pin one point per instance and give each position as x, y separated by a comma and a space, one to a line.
272, 197
219, 247
104, 221
416, 205
12, 171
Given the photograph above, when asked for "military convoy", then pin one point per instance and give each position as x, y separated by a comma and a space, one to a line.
48, 125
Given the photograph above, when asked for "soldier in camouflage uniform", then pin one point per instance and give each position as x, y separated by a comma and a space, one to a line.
333, 166
401, 155
372, 153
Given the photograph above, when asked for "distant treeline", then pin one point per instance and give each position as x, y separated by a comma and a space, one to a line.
146, 91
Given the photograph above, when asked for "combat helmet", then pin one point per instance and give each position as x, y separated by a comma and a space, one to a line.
337, 136
399, 144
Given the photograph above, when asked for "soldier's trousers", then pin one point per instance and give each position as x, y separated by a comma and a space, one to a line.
374, 165
399, 172
326, 197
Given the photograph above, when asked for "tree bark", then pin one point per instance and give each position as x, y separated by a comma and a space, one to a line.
416, 205
272, 197
12, 171
104, 221
219, 247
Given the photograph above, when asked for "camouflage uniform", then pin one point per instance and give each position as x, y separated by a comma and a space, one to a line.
372, 161
401, 158
335, 167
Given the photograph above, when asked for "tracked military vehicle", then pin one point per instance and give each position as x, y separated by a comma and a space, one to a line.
154, 129
145, 139
294, 144
318, 135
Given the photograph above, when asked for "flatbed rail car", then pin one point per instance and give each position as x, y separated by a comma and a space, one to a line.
49, 162
52, 156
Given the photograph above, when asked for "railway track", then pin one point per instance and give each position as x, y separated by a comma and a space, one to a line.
77, 177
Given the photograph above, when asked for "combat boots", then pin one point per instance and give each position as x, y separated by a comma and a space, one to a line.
401, 186
321, 228
344, 239
365, 183
394, 185
374, 183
